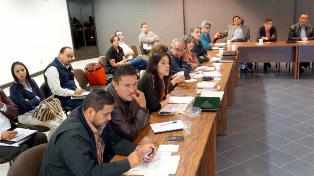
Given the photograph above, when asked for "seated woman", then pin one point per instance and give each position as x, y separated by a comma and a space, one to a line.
269, 34
115, 57
25, 93
156, 84
189, 43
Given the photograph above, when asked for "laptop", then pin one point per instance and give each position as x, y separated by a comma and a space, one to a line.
207, 104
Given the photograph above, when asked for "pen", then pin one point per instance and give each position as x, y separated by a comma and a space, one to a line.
167, 123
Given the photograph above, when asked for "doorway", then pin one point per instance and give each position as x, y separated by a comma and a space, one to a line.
83, 29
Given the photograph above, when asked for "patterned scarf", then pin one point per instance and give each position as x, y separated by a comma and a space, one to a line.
100, 146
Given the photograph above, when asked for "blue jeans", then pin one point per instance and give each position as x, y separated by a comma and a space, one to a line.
138, 63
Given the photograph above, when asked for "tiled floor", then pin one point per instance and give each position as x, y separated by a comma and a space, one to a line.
270, 128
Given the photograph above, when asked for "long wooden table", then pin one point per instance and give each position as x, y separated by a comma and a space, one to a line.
198, 150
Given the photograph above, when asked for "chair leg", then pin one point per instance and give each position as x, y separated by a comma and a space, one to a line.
289, 66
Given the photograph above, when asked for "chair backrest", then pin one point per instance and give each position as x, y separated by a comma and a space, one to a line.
29, 162
80, 77
45, 90
133, 47
101, 61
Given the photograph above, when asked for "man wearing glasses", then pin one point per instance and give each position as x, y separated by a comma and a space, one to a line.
205, 36
178, 63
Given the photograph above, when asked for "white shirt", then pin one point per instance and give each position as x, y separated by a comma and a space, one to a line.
53, 81
126, 49
4, 121
303, 34
237, 33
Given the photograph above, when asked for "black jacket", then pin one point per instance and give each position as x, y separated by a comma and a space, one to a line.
273, 34
72, 150
295, 32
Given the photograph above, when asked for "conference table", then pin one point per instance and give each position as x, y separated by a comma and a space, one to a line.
198, 150
281, 51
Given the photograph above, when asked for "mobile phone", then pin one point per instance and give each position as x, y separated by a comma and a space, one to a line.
208, 78
175, 138
149, 152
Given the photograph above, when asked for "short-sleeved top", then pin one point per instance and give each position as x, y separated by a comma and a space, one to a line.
113, 54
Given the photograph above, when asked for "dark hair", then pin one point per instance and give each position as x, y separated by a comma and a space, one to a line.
188, 39
143, 24
112, 38
267, 20
63, 49
153, 72
127, 70
157, 49
28, 77
236, 16
304, 13
192, 29
97, 99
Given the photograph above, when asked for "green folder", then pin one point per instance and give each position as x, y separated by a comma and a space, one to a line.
207, 103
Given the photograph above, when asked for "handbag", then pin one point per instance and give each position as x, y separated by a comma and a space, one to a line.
95, 75
48, 109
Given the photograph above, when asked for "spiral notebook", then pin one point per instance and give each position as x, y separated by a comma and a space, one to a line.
167, 126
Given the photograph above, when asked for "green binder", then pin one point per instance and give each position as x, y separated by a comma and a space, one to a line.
208, 104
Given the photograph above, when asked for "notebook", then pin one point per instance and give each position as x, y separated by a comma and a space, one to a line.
21, 136
207, 104
173, 125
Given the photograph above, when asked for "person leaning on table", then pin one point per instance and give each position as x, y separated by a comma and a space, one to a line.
85, 143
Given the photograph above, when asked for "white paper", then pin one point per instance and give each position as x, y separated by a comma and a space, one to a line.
168, 148
167, 126
174, 108
21, 134
215, 59
208, 93
85, 93
190, 80
147, 46
180, 100
212, 74
205, 85
220, 44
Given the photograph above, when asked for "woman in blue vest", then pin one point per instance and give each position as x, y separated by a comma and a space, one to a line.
25, 93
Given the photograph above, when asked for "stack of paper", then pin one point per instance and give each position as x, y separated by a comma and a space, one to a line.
205, 85
180, 100
214, 74
167, 126
208, 93
162, 165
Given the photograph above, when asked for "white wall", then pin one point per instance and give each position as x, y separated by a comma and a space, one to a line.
164, 18
32, 31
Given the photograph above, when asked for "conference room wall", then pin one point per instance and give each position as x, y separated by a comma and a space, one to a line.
305, 6
164, 17
220, 13
33, 32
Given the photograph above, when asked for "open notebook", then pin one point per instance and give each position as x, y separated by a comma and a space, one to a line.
173, 125
21, 136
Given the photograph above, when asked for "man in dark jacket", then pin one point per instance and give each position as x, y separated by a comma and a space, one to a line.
129, 115
302, 31
84, 143
8, 117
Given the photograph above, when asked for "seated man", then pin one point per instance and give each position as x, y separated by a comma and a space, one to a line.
302, 31
147, 38
205, 35
178, 62
85, 143
130, 114
138, 63
198, 50
269, 34
59, 77
8, 116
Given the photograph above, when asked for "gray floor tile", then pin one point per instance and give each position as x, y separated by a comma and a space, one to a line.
307, 142
236, 171
224, 145
278, 172
309, 158
304, 128
238, 155
258, 166
291, 134
223, 163
288, 122
301, 116
300, 168
278, 157
274, 140
257, 148
296, 150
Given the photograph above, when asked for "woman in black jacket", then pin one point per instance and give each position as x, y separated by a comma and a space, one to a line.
269, 34
157, 82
